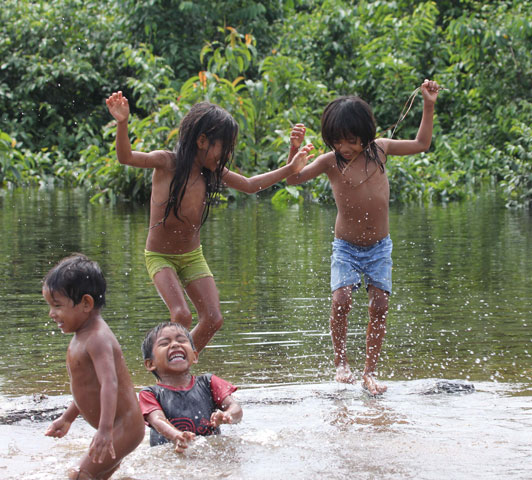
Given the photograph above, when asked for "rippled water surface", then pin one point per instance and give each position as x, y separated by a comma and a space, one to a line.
461, 310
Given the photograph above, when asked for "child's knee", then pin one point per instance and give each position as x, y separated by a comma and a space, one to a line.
182, 316
341, 302
216, 320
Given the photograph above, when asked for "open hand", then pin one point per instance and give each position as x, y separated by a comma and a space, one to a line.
118, 107
182, 439
58, 428
297, 135
102, 443
301, 158
218, 417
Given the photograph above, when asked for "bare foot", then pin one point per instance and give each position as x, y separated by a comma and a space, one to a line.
344, 374
372, 387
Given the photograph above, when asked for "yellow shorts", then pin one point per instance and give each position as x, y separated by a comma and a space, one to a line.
188, 266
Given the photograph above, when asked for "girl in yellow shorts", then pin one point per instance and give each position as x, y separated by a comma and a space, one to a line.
184, 184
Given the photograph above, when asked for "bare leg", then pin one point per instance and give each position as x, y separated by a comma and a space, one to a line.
205, 297
378, 310
171, 292
127, 435
341, 305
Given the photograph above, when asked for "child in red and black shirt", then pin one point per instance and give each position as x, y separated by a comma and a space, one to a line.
181, 405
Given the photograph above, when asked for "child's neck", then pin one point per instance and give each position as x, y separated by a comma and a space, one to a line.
179, 381
91, 321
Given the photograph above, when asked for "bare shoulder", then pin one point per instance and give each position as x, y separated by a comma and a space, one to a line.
157, 159
164, 159
100, 336
383, 144
322, 164
327, 159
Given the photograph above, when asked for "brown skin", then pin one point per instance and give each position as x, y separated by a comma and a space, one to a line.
183, 235
362, 197
100, 384
172, 342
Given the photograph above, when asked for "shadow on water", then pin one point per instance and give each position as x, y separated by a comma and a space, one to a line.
460, 311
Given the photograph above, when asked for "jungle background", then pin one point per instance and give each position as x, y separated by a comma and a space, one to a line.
271, 64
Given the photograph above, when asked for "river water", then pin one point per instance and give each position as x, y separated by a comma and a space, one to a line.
460, 312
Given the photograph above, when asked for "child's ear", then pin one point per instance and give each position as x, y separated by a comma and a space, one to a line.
87, 302
202, 142
148, 363
196, 357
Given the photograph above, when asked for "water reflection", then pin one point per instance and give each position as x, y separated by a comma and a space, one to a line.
460, 310
461, 306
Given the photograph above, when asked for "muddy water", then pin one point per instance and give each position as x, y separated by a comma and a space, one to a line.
461, 310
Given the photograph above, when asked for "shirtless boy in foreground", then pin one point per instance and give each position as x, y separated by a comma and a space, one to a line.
99, 378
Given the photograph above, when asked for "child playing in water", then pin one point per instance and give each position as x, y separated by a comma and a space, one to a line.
184, 184
99, 378
362, 246
181, 405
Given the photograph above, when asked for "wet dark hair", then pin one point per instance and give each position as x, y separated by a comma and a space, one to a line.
153, 334
347, 117
76, 276
216, 124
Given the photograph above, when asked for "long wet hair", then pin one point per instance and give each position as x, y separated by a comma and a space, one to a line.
76, 276
347, 117
216, 124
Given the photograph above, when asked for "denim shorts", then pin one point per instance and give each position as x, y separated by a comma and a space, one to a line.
350, 262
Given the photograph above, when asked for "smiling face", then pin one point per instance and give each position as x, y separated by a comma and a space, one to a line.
172, 353
69, 317
349, 148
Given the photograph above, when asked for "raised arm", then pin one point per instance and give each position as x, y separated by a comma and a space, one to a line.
265, 180
429, 90
118, 106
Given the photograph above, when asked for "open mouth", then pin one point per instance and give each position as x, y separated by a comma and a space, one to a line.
177, 357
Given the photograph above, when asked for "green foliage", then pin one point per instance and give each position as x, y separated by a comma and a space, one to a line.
270, 64
178, 29
56, 56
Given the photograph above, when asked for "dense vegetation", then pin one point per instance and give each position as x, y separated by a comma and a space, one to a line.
271, 64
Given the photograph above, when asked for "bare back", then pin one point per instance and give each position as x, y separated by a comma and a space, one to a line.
181, 235
84, 382
362, 195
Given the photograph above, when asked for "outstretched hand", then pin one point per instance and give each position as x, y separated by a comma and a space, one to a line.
297, 135
58, 428
182, 439
218, 417
118, 106
429, 90
301, 158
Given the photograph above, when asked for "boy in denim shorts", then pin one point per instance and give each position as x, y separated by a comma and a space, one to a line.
362, 247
